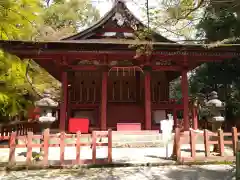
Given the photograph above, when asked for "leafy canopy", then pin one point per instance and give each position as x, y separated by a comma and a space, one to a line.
33, 20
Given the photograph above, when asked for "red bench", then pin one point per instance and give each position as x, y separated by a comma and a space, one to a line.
128, 126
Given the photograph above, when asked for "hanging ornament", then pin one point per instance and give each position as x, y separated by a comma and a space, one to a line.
126, 69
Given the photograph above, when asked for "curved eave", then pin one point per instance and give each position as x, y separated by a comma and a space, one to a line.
114, 45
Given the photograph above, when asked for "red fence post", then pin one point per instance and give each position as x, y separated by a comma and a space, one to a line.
177, 144
221, 142
24, 130
109, 145
45, 146
62, 147
94, 150
12, 148
206, 142
29, 147
193, 143
78, 147
234, 140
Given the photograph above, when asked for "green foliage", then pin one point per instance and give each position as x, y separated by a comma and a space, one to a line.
217, 22
64, 18
219, 25
14, 88
176, 18
27, 20
18, 21
72, 13
175, 89
179, 9
18, 18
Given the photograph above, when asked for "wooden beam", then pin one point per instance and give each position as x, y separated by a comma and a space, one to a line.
113, 29
115, 54
95, 67
82, 68
167, 106
84, 106
166, 68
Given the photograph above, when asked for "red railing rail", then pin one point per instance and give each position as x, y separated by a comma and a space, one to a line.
219, 140
21, 128
44, 145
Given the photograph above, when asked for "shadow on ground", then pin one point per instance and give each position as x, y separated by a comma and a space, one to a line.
189, 150
208, 172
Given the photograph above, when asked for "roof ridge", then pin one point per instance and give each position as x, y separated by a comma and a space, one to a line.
116, 4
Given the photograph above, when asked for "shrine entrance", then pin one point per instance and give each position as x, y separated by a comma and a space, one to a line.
125, 96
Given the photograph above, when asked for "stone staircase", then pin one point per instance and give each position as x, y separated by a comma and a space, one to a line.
133, 139
121, 139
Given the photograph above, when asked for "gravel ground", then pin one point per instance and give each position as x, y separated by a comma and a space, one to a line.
205, 172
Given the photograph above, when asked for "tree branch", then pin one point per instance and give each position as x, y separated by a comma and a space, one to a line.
30, 81
192, 10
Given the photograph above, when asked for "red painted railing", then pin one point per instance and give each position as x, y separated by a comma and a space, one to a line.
21, 128
220, 141
30, 143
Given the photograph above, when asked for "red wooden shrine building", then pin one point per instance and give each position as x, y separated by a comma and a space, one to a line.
103, 79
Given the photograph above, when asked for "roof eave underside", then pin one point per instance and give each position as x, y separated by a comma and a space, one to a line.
98, 45
68, 47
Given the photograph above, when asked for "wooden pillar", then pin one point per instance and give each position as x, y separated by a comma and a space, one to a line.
69, 107
63, 106
194, 118
103, 120
175, 123
70, 77
147, 87
184, 85
138, 86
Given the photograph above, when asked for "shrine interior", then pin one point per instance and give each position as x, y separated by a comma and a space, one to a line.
125, 95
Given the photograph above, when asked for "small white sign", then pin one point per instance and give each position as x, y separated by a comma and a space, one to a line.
167, 127
218, 118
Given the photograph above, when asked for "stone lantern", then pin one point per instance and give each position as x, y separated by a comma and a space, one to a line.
215, 108
48, 110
